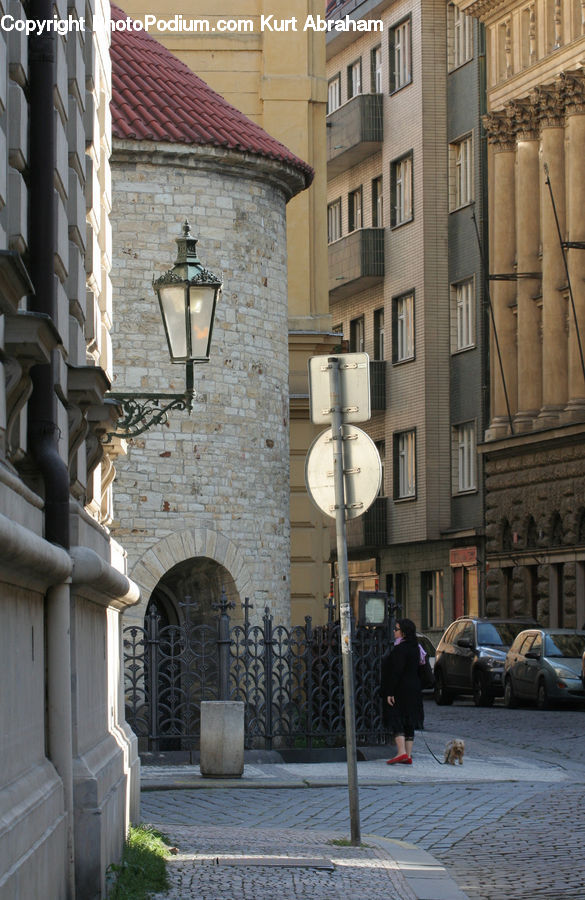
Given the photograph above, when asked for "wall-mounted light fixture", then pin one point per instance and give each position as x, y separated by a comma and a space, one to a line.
187, 296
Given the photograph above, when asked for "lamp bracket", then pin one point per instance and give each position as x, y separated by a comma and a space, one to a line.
142, 411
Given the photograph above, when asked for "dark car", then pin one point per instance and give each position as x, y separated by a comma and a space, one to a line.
470, 658
545, 665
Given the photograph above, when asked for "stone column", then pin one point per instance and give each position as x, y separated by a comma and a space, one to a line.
554, 307
574, 90
503, 263
524, 117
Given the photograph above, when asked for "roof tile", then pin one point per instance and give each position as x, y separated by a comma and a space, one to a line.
157, 97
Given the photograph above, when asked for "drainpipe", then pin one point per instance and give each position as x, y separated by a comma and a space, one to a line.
43, 427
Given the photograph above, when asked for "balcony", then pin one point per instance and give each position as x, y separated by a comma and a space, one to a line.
354, 132
356, 262
368, 531
377, 384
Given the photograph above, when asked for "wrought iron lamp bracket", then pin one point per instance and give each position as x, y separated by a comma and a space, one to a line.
143, 411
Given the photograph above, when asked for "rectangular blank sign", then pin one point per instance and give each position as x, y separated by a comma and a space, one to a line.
354, 380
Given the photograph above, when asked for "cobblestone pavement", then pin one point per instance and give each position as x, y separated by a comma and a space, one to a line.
200, 872
508, 839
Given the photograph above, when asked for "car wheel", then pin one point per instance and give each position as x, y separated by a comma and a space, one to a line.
509, 695
542, 700
481, 693
443, 697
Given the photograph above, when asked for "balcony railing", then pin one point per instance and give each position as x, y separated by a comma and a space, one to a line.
356, 262
354, 132
378, 384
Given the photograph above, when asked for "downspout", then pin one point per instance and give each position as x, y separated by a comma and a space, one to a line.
43, 427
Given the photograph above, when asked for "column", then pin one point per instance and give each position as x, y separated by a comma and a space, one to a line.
575, 160
554, 306
528, 245
503, 263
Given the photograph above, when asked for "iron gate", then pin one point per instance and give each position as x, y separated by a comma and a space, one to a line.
290, 680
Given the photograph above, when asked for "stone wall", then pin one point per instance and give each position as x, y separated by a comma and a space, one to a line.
214, 484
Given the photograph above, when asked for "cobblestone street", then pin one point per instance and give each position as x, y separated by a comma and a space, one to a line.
502, 838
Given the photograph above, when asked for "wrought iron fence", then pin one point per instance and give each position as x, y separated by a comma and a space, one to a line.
290, 680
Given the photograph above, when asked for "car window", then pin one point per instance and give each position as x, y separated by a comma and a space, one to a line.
537, 644
569, 646
498, 634
523, 644
467, 633
426, 644
454, 632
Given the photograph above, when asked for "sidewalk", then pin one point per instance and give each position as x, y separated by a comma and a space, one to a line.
297, 863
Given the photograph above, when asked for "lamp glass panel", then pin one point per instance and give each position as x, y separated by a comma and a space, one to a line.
172, 301
201, 301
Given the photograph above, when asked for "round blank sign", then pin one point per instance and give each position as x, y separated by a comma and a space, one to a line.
362, 472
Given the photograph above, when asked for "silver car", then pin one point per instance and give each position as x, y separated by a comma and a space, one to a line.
544, 665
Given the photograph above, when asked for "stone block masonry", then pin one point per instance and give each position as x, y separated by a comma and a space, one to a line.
224, 469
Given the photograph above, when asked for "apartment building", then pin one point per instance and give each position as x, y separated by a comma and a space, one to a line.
404, 151
534, 447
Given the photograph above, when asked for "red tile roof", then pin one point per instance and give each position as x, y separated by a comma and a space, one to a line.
156, 97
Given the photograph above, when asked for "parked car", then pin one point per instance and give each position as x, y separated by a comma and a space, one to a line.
430, 651
545, 665
470, 658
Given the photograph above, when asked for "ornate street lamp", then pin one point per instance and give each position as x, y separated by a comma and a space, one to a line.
187, 296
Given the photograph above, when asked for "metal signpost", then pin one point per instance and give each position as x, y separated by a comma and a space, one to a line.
356, 473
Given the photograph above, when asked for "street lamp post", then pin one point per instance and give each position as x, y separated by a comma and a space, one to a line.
187, 296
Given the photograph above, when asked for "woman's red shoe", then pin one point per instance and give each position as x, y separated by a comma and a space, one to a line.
403, 758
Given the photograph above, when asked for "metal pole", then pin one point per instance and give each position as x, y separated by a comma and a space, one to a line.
344, 608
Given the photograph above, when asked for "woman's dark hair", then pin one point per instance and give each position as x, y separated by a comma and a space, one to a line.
408, 629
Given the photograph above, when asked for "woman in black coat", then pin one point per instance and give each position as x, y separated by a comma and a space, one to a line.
401, 690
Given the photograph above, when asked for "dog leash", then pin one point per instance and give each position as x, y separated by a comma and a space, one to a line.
440, 761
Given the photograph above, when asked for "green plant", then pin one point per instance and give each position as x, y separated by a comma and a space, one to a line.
142, 870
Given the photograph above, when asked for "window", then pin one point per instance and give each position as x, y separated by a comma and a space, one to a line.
376, 70
354, 79
396, 586
334, 94
356, 335
466, 469
401, 172
400, 56
377, 203
404, 465
463, 295
379, 334
461, 165
334, 221
403, 328
354, 211
381, 448
432, 606
460, 36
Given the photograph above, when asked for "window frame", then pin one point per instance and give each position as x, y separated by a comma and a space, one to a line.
335, 204
403, 324
405, 478
379, 334
461, 174
465, 480
376, 73
355, 210
354, 89
460, 37
401, 57
377, 202
336, 80
399, 214
357, 328
463, 311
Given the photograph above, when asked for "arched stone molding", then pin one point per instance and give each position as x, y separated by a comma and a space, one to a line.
184, 545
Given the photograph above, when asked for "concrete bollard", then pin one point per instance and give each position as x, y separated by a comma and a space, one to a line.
222, 738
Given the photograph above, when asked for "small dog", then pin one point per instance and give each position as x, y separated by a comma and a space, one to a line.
454, 751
